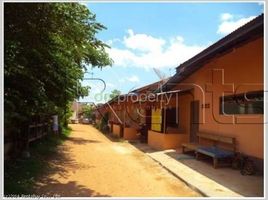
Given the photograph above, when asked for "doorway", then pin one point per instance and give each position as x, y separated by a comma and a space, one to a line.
148, 118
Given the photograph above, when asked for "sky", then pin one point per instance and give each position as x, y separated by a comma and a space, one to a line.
149, 40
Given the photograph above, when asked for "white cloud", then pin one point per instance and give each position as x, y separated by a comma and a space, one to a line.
112, 41
226, 16
229, 24
143, 42
133, 79
146, 51
111, 85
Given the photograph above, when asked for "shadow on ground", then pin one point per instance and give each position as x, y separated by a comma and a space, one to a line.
81, 141
60, 165
145, 148
113, 138
69, 189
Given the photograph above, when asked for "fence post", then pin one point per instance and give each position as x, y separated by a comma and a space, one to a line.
55, 124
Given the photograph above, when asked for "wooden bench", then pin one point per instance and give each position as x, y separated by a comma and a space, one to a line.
194, 145
221, 147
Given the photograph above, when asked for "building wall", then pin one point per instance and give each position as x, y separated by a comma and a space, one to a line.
242, 68
116, 130
166, 141
130, 133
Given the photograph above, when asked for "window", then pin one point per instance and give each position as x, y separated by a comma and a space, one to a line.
246, 103
172, 118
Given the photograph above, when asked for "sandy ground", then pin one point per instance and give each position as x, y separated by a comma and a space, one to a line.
90, 164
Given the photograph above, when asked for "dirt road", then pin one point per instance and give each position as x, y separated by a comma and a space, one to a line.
90, 164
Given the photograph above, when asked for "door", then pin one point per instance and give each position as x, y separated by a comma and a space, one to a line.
194, 120
157, 119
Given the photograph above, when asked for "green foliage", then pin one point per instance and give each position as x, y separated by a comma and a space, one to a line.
18, 183
115, 93
20, 175
87, 111
47, 46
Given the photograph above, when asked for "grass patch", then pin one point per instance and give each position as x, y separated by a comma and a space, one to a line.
20, 174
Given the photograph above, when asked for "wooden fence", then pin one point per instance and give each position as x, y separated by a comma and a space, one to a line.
37, 131
16, 143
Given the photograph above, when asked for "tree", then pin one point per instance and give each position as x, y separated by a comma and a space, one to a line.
115, 93
87, 111
47, 48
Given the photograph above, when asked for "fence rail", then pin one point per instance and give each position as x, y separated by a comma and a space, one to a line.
15, 143
37, 131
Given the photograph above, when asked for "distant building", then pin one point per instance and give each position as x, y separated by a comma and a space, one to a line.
77, 108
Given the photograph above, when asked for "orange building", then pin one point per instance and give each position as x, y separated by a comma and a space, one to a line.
220, 90
127, 112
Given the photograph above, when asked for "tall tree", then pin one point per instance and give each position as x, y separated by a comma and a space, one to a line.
115, 93
47, 48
